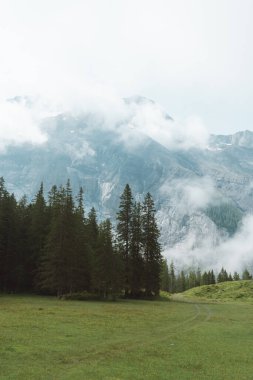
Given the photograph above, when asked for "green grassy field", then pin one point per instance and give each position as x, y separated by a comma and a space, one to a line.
44, 338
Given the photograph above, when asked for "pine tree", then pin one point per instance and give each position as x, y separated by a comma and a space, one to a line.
9, 259
192, 279
198, 277
172, 277
181, 282
25, 277
124, 218
38, 232
246, 275
92, 228
92, 233
104, 268
136, 264
165, 277
236, 276
222, 276
151, 248
212, 278
57, 273
81, 258
205, 279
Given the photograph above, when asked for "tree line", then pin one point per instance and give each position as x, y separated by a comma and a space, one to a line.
50, 246
179, 282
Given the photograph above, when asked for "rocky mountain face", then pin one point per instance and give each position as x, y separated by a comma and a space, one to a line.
187, 183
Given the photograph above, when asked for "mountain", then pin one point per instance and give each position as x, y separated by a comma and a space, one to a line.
201, 192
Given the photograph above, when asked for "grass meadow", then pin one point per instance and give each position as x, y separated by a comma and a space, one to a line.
46, 338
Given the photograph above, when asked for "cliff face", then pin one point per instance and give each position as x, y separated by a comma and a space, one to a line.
183, 182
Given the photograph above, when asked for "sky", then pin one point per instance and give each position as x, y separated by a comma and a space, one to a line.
192, 57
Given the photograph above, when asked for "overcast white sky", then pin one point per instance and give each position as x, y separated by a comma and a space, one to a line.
194, 57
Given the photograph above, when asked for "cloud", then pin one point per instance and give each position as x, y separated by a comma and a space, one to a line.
132, 121
78, 151
234, 254
144, 117
192, 194
168, 50
18, 125
193, 239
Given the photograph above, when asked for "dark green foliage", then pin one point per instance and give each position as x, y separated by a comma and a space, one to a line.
11, 267
124, 218
246, 275
222, 276
207, 278
136, 262
38, 231
172, 283
211, 277
192, 280
225, 216
92, 228
151, 248
107, 271
138, 244
236, 276
188, 280
26, 267
181, 282
65, 262
204, 279
51, 247
165, 276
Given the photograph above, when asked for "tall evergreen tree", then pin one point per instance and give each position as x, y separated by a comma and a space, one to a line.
92, 228
172, 284
136, 264
246, 275
192, 279
104, 267
181, 282
9, 254
82, 260
165, 277
56, 271
151, 248
38, 232
25, 275
124, 218
236, 276
222, 276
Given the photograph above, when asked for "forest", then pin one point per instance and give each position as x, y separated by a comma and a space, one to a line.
178, 281
49, 246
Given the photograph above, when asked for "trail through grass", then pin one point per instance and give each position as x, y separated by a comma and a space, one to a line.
44, 338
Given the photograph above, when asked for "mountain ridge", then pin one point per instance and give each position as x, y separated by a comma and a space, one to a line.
103, 158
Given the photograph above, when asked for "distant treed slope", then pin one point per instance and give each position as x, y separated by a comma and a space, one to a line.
225, 216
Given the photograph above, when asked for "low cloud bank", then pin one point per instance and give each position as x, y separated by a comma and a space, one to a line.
18, 125
198, 242
192, 193
234, 254
21, 118
151, 120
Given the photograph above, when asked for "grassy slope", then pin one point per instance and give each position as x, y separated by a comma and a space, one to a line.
43, 338
225, 291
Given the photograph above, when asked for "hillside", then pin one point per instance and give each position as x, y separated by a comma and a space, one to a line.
224, 291
202, 189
